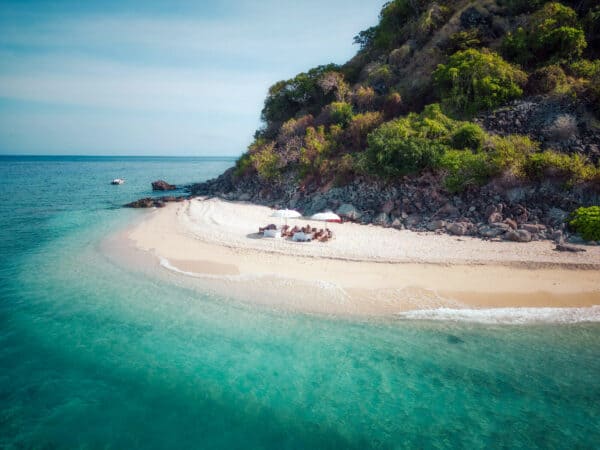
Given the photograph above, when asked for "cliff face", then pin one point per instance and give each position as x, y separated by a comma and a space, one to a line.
508, 145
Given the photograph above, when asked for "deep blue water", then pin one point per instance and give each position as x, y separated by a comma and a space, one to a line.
96, 356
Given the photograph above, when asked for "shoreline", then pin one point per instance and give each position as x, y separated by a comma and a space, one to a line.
212, 242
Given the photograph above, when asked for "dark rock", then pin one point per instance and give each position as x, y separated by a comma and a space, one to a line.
161, 185
568, 248
458, 228
141, 203
489, 231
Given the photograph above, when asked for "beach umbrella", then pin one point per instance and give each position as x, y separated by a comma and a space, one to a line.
327, 216
286, 214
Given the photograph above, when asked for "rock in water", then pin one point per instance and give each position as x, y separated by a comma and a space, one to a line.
161, 185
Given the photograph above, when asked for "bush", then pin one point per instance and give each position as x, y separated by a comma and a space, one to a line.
469, 136
340, 113
463, 40
465, 168
547, 80
585, 68
265, 161
243, 165
359, 128
553, 34
586, 221
510, 153
572, 168
364, 98
474, 80
406, 145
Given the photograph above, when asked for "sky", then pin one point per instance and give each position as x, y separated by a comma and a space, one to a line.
104, 77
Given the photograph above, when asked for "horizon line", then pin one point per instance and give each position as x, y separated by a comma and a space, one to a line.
115, 155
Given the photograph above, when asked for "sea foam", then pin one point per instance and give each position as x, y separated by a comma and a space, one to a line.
508, 315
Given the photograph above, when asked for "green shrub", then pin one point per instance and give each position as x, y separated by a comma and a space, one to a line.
340, 113
265, 160
586, 221
510, 153
585, 68
464, 168
243, 165
474, 80
390, 155
552, 34
409, 144
359, 127
463, 40
469, 135
547, 80
572, 168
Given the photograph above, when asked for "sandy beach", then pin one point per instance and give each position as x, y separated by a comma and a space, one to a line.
365, 269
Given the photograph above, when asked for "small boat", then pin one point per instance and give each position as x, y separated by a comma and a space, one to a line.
117, 181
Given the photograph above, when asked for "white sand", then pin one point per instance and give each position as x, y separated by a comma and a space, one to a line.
365, 269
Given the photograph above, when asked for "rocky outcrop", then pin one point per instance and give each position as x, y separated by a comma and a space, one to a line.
161, 185
558, 123
154, 202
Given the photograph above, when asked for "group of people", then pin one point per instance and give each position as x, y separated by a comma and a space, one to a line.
321, 235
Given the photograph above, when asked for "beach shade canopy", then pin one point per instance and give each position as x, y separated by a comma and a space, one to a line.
327, 216
286, 214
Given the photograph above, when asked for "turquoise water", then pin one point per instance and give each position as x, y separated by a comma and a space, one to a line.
94, 356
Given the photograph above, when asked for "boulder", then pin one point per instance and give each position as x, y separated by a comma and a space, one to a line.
533, 227
397, 224
501, 226
413, 220
436, 225
511, 223
495, 217
381, 219
348, 211
161, 185
517, 236
489, 231
458, 228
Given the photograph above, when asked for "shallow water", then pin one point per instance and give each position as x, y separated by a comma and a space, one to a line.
94, 356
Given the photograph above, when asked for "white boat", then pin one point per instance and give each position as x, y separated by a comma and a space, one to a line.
117, 181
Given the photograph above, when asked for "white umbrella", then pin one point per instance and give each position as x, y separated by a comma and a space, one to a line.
326, 216
286, 214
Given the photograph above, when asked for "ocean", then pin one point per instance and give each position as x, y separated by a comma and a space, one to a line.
94, 355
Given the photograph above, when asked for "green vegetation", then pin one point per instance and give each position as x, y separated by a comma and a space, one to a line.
265, 160
464, 169
333, 123
553, 34
586, 221
547, 80
469, 136
474, 80
550, 164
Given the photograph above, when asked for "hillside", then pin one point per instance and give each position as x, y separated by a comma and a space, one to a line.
473, 117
